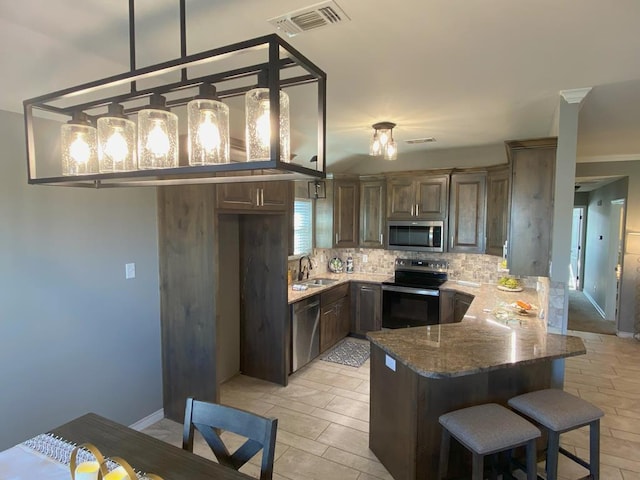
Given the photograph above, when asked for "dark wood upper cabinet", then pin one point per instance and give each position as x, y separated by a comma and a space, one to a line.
373, 204
418, 198
263, 196
532, 193
468, 212
337, 217
497, 209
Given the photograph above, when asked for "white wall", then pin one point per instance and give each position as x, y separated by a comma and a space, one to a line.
75, 336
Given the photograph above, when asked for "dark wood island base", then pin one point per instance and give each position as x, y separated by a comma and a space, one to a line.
415, 380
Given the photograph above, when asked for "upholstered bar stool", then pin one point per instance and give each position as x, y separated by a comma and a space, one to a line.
484, 430
559, 412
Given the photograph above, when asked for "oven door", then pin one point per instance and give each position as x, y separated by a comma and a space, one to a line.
409, 306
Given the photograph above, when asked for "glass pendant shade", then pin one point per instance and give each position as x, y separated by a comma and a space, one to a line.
382, 142
116, 144
79, 149
208, 132
157, 139
258, 128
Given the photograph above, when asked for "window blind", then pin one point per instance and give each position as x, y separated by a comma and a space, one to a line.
302, 226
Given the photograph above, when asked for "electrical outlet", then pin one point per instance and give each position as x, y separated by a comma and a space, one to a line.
129, 270
365, 258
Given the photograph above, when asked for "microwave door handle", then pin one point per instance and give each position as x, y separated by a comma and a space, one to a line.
431, 229
411, 290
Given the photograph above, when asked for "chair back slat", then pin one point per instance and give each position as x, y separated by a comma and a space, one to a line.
208, 417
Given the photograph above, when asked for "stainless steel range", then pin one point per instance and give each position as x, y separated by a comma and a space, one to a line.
413, 298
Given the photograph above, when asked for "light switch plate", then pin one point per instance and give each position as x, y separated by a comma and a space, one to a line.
390, 362
129, 270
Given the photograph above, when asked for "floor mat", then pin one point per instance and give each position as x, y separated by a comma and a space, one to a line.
348, 352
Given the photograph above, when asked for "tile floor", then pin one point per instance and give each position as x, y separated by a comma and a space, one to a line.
323, 416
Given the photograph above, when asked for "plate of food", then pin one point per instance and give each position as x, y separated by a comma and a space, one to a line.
336, 265
523, 308
508, 284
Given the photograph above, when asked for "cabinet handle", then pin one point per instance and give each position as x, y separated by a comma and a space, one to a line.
257, 197
412, 208
417, 209
336, 239
262, 197
381, 239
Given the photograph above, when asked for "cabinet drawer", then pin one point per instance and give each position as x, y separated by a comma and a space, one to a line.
334, 294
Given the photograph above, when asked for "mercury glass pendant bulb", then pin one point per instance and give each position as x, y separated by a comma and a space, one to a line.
157, 139
391, 150
258, 126
208, 132
79, 148
116, 144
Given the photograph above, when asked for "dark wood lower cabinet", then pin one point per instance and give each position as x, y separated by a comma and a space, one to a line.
454, 305
334, 316
366, 302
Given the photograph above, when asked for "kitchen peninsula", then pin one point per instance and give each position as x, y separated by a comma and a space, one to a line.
417, 374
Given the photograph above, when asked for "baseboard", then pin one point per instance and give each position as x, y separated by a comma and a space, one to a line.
148, 420
624, 334
595, 305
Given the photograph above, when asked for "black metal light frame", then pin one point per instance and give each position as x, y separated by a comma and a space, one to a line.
273, 169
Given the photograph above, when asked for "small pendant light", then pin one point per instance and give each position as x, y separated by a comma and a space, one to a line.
382, 142
157, 136
79, 146
258, 123
208, 121
116, 141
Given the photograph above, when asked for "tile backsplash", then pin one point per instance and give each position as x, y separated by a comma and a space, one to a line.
462, 266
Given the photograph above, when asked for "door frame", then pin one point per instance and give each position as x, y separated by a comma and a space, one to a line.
616, 261
581, 244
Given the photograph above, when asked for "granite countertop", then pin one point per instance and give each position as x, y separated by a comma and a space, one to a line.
295, 296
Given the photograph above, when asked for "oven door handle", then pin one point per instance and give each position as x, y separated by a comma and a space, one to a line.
411, 290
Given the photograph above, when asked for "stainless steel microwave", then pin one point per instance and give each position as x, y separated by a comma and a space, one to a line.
421, 236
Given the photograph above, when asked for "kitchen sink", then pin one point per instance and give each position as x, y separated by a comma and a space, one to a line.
319, 282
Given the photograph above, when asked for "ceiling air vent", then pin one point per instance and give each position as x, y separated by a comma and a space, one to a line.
322, 14
413, 141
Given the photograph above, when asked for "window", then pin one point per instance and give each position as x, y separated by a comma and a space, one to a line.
302, 226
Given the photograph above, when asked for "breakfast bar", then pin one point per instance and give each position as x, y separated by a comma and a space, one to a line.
419, 373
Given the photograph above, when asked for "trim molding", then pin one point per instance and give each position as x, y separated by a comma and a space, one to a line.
609, 158
148, 420
575, 95
595, 305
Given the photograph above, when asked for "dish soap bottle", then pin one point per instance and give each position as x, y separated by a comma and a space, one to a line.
349, 265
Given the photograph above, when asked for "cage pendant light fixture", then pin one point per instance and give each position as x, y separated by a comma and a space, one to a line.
259, 125
382, 142
208, 121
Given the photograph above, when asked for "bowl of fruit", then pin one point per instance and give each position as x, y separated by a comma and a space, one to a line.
509, 284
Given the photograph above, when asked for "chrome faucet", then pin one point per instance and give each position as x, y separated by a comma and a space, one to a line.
301, 269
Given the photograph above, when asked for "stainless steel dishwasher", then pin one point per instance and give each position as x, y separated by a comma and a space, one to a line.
305, 331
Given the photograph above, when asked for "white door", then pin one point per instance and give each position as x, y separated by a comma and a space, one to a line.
614, 264
575, 274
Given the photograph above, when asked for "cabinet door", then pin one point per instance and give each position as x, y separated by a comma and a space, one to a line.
531, 221
344, 318
401, 198
236, 196
432, 197
447, 300
461, 304
345, 213
275, 196
367, 310
468, 207
497, 210
372, 214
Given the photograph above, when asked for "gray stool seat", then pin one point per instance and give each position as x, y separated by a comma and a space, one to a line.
559, 411
487, 429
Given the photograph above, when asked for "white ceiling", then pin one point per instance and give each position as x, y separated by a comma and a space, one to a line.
470, 73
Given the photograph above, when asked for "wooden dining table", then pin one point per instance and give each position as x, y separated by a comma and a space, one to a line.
143, 452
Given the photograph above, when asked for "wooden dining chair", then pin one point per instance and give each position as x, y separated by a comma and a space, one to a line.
208, 418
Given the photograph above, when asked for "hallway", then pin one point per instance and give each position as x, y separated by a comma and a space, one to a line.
583, 317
